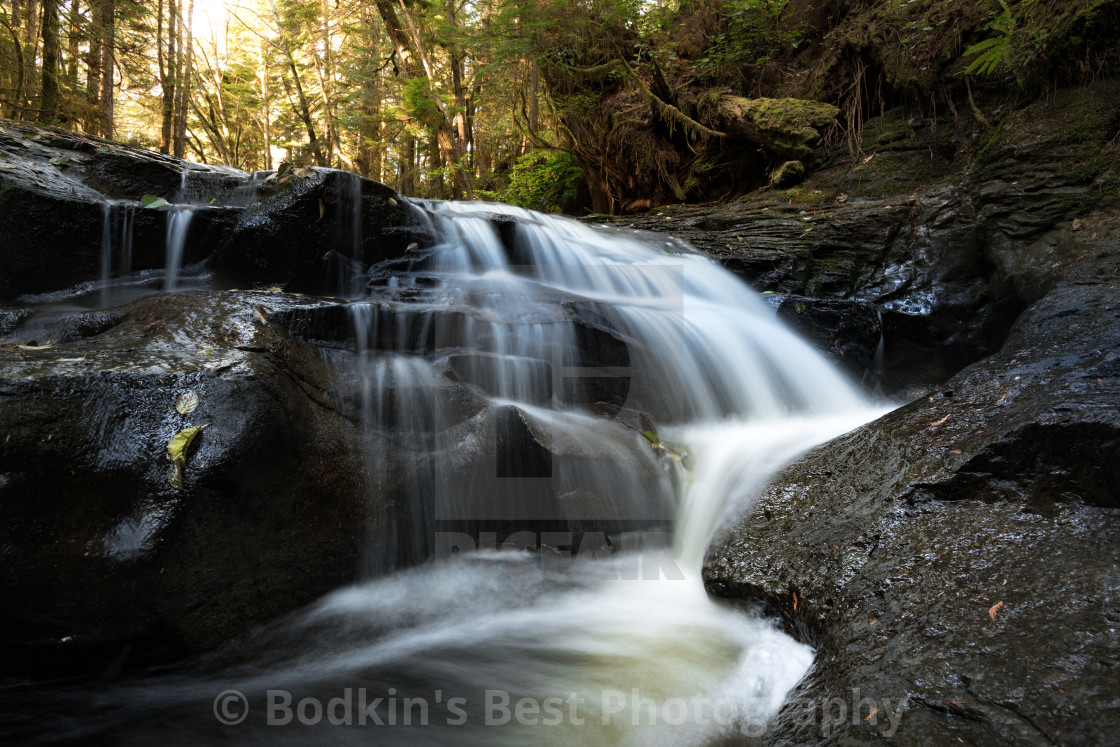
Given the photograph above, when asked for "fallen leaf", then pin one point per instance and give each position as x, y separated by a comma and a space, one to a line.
151, 201
177, 450
322, 209
33, 345
1001, 399
868, 716
957, 703
187, 402
955, 451
994, 609
938, 422
61, 161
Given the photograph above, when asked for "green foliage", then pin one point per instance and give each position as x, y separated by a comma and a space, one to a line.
1000, 51
542, 180
753, 33
419, 102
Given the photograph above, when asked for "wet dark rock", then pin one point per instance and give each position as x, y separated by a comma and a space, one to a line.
962, 551
52, 213
848, 332
10, 319
62, 327
304, 235
103, 557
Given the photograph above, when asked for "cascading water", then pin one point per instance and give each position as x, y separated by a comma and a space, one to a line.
178, 223
116, 243
504, 378
346, 255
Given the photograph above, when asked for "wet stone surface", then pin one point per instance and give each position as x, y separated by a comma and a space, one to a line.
961, 552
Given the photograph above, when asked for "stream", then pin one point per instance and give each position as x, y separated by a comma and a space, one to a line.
547, 594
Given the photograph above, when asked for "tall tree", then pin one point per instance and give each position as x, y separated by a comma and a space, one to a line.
166, 56
93, 70
304, 108
416, 66
107, 18
184, 73
48, 103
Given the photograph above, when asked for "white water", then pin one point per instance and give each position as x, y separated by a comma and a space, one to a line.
178, 223
116, 245
617, 645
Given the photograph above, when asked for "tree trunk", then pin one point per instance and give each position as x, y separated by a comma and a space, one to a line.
406, 180
369, 127
48, 102
534, 91
184, 74
108, 34
165, 59
93, 70
435, 178
266, 122
410, 52
17, 53
73, 37
304, 109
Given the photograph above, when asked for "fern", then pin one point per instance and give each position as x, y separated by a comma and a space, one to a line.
995, 52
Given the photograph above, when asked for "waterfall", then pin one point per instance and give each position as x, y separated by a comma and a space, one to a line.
346, 257
116, 244
178, 224
557, 418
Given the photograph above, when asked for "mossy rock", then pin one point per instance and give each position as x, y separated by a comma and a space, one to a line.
787, 127
787, 174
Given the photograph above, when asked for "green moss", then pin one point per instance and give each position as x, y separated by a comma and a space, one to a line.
789, 127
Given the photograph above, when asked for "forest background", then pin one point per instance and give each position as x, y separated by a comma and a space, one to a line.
572, 105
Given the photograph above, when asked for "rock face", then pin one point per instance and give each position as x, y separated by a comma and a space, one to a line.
103, 557
55, 188
961, 552
949, 232
303, 234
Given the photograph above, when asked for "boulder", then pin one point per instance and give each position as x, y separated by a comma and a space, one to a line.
104, 558
789, 128
960, 553
56, 193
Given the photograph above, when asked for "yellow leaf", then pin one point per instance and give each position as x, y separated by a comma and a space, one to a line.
177, 447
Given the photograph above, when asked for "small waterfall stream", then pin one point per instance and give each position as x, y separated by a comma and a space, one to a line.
116, 245
572, 340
